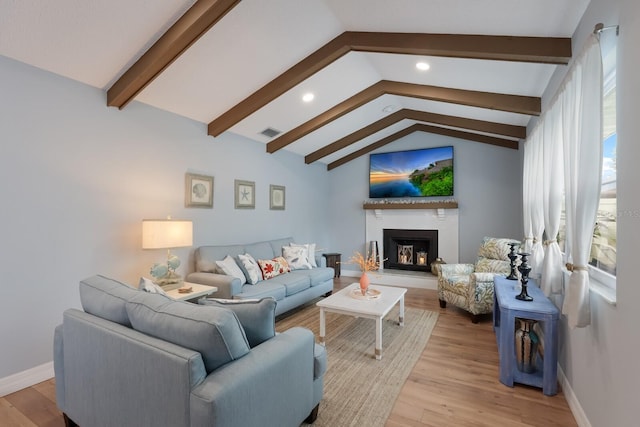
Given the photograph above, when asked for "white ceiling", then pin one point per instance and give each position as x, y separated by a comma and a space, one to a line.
96, 41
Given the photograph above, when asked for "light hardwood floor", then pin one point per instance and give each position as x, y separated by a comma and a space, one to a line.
454, 383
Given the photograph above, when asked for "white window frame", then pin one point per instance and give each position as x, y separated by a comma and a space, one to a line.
602, 282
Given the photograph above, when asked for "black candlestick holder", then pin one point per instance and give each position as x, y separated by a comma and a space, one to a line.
524, 269
513, 257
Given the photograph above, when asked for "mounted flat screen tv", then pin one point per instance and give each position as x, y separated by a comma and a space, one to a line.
426, 172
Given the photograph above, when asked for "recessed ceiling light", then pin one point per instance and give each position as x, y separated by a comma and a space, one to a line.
308, 97
422, 66
389, 108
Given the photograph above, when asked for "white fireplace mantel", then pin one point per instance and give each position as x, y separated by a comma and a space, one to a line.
418, 219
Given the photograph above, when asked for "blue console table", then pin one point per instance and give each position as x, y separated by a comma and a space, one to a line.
506, 309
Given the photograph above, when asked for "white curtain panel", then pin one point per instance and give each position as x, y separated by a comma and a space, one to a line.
533, 201
537, 207
527, 199
553, 189
582, 141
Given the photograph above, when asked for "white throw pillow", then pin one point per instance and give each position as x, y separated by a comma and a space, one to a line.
147, 285
254, 275
230, 268
311, 252
296, 257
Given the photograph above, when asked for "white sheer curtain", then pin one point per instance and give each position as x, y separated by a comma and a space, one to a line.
527, 199
533, 155
582, 141
553, 189
564, 154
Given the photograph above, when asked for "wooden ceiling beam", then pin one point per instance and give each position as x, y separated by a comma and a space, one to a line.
195, 22
546, 50
551, 50
419, 127
511, 103
513, 131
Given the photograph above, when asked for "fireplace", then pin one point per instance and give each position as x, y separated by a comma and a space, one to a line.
409, 249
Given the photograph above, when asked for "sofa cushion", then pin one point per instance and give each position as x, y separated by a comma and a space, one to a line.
257, 316
206, 256
317, 276
263, 289
495, 248
297, 257
277, 244
294, 282
106, 298
273, 267
261, 250
229, 267
215, 332
250, 268
486, 265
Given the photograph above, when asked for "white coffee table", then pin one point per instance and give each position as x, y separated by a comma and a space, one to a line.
342, 302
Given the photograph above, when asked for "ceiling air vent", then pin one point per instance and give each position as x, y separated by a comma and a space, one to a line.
270, 132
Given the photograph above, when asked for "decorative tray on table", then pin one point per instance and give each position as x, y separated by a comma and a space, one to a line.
370, 294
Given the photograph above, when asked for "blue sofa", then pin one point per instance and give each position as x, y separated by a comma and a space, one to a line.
133, 358
290, 290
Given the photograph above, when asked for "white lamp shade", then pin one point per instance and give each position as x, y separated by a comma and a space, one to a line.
166, 233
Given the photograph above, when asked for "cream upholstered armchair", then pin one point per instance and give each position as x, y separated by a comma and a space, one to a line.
470, 286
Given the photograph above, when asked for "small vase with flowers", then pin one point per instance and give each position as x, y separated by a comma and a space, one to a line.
368, 262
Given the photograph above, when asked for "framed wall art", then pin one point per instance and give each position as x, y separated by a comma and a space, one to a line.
276, 197
198, 191
245, 194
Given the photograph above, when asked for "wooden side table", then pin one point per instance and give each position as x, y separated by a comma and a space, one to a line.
333, 260
506, 308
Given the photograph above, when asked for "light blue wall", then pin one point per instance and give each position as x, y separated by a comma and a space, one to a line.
488, 188
78, 178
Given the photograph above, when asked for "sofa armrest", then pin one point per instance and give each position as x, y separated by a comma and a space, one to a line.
228, 286
125, 370
483, 277
273, 382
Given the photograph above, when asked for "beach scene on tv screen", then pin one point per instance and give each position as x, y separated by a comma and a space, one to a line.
414, 173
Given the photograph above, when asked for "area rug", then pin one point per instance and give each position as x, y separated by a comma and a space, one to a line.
358, 389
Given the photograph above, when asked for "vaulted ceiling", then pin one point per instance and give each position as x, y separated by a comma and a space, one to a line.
242, 66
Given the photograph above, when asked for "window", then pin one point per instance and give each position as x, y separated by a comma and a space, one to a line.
602, 262
603, 248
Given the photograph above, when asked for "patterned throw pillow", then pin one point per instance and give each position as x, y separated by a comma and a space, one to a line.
273, 267
311, 251
297, 257
251, 268
230, 268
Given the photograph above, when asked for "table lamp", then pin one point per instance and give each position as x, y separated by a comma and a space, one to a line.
167, 234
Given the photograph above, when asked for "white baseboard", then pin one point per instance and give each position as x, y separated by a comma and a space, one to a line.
572, 400
403, 279
25, 379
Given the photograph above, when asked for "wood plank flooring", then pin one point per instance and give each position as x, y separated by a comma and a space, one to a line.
454, 383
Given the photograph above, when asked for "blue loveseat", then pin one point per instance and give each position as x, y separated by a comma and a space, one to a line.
289, 290
133, 358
